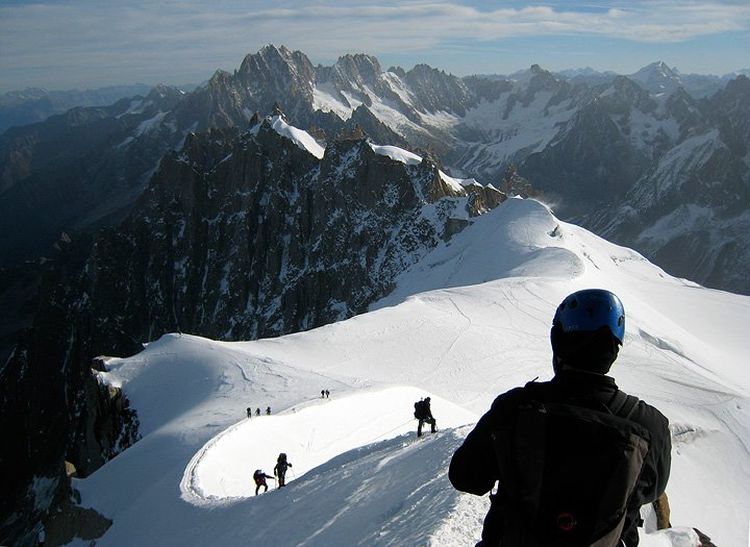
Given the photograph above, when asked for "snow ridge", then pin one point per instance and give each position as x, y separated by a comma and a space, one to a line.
468, 321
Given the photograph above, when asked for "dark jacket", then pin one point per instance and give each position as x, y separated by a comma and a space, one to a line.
281, 467
474, 467
260, 478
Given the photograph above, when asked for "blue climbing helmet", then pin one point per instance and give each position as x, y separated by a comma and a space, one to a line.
589, 310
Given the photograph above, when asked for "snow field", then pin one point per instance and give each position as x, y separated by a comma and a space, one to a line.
301, 138
468, 322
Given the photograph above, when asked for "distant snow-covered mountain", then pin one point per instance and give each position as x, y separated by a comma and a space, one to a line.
689, 210
34, 105
658, 78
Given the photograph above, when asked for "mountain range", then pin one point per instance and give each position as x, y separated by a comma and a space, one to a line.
33, 104
588, 148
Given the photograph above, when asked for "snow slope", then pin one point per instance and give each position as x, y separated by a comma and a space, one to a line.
410, 158
469, 321
299, 137
219, 470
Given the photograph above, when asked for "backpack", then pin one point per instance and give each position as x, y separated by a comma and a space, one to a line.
419, 410
567, 473
258, 476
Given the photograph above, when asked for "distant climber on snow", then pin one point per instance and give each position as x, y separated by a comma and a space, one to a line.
260, 480
423, 413
257, 411
575, 458
268, 411
249, 412
280, 468
322, 393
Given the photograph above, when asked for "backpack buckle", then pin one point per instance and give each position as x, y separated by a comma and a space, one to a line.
566, 522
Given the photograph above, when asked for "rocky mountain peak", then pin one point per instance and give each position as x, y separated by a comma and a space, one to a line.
737, 88
657, 78
398, 71
658, 69
523, 77
359, 68
625, 94
277, 69
681, 106
731, 106
542, 79
370, 125
220, 78
437, 90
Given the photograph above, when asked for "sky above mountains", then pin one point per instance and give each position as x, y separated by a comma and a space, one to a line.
85, 43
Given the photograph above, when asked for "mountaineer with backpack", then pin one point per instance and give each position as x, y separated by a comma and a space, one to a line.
280, 468
260, 480
575, 457
423, 413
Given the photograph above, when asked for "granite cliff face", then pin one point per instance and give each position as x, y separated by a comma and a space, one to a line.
240, 234
248, 235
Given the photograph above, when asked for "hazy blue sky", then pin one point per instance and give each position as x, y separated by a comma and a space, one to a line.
85, 43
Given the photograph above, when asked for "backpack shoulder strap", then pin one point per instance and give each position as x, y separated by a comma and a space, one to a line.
622, 405
629, 406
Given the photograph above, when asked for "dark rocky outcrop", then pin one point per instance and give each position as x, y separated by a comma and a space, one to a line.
371, 126
54, 404
514, 184
588, 165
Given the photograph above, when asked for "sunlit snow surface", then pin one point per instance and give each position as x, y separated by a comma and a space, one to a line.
299, 137
397, 154
469, 321
410, 158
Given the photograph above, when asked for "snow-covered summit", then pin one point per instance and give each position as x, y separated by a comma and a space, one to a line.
658, 78
397, 154
301, 138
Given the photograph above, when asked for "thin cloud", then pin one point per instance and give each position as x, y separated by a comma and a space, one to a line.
177, 37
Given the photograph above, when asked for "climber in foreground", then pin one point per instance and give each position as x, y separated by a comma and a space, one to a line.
575, 457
